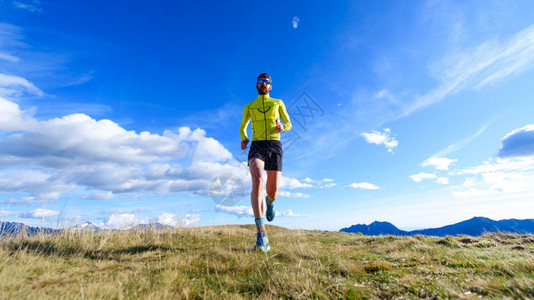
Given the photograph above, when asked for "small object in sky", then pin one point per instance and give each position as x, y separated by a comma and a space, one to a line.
296, 22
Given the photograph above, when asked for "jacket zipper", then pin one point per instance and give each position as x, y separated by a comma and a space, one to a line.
264, 115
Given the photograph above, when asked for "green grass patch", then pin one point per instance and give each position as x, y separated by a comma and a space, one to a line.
217, 262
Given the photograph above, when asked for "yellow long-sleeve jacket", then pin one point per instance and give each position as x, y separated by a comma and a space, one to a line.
264, 112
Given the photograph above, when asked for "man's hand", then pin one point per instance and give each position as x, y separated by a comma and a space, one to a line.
279, 126
244, 144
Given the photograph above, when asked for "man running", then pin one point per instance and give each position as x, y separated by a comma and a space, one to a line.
265, 152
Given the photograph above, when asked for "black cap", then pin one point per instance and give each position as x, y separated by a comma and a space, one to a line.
265, 75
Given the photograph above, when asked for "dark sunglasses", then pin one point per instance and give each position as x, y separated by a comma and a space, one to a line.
266, 81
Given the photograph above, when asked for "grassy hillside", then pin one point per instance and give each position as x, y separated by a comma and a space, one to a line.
217, 262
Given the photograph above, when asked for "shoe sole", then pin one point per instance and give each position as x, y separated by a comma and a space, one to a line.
270, 217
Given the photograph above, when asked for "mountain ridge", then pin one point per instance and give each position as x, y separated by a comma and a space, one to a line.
16, 228
475, 226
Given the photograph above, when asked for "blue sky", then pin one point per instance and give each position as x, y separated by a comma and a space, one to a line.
122, 113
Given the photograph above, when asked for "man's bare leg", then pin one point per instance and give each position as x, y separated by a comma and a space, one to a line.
273, 182
256, 197
258, 205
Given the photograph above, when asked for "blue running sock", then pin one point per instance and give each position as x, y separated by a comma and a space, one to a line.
260, 224
270, 214
262, 241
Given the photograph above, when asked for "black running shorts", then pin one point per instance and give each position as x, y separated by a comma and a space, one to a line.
269, 151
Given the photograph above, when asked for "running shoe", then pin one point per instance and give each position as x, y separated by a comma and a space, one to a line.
262, 242
270, 210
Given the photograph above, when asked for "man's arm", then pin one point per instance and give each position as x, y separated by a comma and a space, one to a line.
243, 128
285, 116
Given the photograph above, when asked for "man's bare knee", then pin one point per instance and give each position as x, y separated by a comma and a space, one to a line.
272, 192
257, 180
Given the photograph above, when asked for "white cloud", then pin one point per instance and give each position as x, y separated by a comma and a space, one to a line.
81, 80
6, 213
506, 59
32, 6
40, 185
420, 176
497, 188
518, 164
23, 201
381, 138
173, 220
460, 69
382, 94
8, 57
99, 196
519, 142
469, 182
507, 181
42, 213
293, 195
208, 149
189, 220
10, 35
461, 144
471, 193
78, 138
12, 118
329, 185
309, 183
122, 221
48, 158
292, 183
443, 180
290, 213
29, 62
441, 163
168, 219
240, 211
363, 186
480, 66
14, 85
503, 176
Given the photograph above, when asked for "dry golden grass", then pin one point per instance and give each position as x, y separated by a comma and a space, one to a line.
217, 262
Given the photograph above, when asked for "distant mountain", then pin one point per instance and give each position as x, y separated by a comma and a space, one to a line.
480, 225
86, 227
151, 226
375, 228
474, 227
14, 228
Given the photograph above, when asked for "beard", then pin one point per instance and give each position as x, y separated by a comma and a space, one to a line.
263, 90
